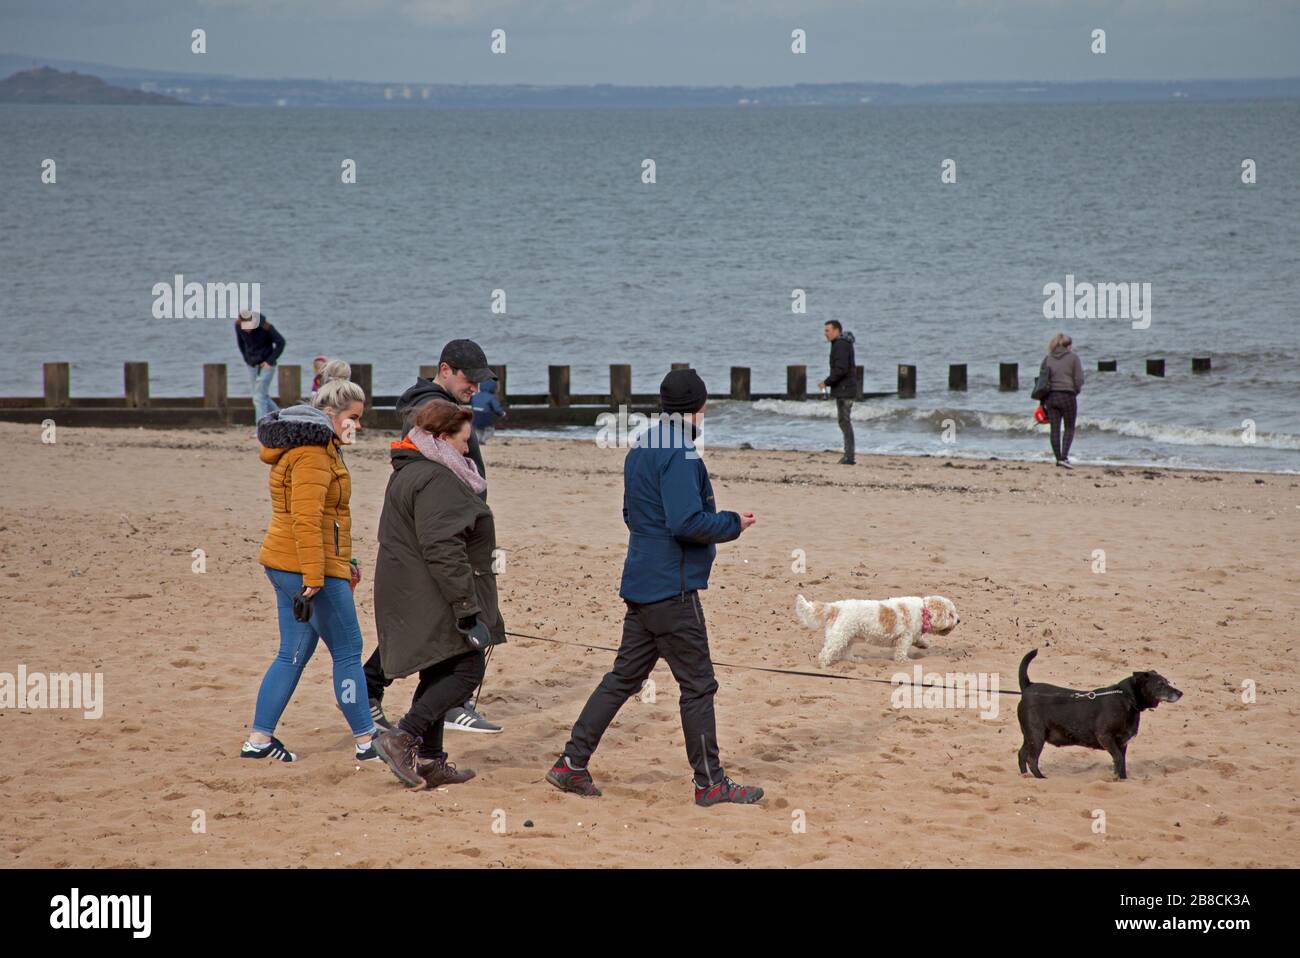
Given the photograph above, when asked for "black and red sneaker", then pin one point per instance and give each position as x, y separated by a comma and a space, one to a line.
569, 779
727, 791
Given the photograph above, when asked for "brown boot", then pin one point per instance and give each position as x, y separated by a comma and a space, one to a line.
397, 749
438, 771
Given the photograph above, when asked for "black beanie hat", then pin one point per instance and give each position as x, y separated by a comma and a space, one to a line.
682, 391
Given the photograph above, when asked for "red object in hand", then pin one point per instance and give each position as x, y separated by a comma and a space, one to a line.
1040, 415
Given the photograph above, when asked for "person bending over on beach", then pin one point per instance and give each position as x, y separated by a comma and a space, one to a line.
1062, 403
462, 367
672, 526
307, 553
842, 381
435, 587
260, 344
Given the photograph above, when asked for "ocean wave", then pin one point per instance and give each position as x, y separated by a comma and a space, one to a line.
1171, 433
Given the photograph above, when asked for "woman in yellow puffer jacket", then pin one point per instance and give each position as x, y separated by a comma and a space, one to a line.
307, 553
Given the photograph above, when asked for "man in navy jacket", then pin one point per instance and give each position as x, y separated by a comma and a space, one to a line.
260, 344
673, 527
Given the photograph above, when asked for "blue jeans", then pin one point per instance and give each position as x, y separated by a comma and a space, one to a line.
333, 619
261, 381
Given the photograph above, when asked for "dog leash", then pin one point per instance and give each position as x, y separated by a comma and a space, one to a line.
795, 672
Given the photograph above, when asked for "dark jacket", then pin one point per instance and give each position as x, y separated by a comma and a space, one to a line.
1066, 370
421, 393
263, 344
436, 540
671, 517
487, 407
843, 378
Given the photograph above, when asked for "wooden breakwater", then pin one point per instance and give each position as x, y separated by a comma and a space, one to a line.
558, 406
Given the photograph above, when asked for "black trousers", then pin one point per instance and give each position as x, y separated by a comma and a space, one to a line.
844, 410
443, 685
673, 630
376, 682
1062, 407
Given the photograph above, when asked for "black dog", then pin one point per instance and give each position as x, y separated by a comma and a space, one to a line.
1106, 718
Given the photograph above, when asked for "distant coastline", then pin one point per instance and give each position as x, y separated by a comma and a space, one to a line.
301, 93
45, 85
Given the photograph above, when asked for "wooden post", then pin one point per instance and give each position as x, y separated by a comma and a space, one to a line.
620, 384
1155, 367
859, 374
1008, 377
681, 365
1200, 364
56, 384
429, 372
796, 382
740, 383
957, 377
363, 376
906, 382
501, 382
558, 391
289, 379
214, 387
1107, 365
136, 376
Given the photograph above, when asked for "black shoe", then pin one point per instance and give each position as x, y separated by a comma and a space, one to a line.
847, 461
273, 749
727, 791
576, 780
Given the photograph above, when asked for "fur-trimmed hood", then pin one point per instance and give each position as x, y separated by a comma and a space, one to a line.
286, 429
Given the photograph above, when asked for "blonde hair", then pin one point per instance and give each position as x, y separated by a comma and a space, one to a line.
1060, 339
335, 369
337, 395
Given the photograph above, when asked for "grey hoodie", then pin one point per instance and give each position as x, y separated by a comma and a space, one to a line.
1066, 370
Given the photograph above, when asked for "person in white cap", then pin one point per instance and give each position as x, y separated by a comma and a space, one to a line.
260, 344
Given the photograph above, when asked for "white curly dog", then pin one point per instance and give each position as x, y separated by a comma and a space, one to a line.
902, 622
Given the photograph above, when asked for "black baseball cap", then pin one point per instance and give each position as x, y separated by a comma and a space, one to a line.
467, 356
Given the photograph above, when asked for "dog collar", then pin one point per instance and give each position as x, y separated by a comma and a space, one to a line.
925, 619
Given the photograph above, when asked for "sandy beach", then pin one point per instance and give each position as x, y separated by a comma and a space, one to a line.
1201, 583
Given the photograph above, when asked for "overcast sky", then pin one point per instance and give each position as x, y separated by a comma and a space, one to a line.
670, 41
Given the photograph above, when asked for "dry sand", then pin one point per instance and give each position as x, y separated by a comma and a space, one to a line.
96, 535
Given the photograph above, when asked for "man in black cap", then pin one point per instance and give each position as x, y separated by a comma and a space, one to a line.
673, 526
461, 367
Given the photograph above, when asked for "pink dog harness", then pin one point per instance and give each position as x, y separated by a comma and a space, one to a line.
925, 619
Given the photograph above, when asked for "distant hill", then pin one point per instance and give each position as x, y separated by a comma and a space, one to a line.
47, 85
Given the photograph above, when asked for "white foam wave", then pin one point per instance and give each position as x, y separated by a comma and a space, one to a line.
1170, 433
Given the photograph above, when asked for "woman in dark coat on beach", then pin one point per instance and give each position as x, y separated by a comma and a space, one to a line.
434, 587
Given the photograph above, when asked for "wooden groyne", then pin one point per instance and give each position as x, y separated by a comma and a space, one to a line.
558, 406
